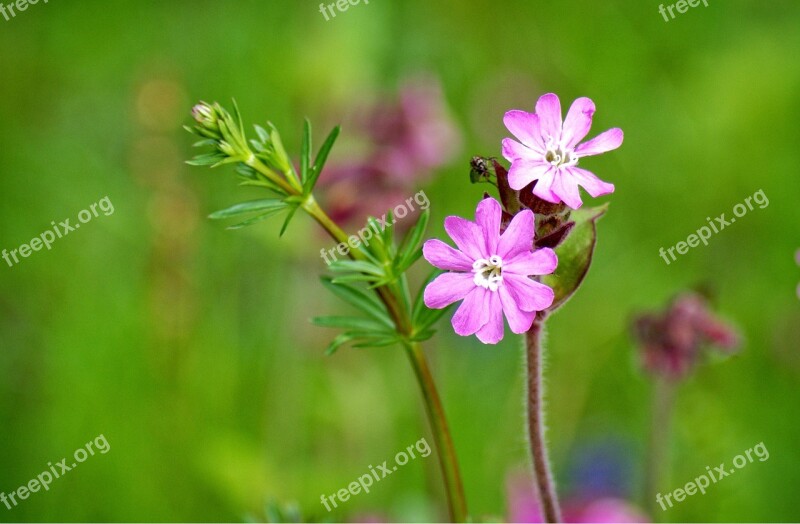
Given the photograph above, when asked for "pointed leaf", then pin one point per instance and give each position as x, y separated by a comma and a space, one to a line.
337, 342
357, 323
361, 299
305, 152
357, 266
377, 342
419, 304
359, 277
574, 255
256, 219
409, 250
292, 211
322, 157
251, 206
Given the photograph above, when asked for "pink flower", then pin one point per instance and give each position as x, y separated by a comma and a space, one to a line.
671, 341
490, 272
549, 152
524, 506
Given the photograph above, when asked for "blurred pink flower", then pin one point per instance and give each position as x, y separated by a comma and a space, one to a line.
549, 151
524, 506
490, 273
406, 140
671, 341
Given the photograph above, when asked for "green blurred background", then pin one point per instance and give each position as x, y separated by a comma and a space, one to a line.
189, 346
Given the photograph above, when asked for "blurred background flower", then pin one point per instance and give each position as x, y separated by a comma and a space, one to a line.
405, 137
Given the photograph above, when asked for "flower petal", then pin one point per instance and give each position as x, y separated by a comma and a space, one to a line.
593, 185
523, 171
540, 262
443, 256
448, 288
525, 126
605, 141
513, 150
566, 188
518, 236
518, 320
492, 331
467, 236
488, 215
472, 314
529, 295
548, 109
578, 122
544, 187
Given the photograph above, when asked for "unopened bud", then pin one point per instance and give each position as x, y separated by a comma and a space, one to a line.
205, 115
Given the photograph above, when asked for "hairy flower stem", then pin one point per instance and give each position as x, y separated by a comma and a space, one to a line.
541, 463
448, 461
658, 444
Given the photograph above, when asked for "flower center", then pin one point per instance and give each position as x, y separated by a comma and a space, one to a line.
559, 156
488, 272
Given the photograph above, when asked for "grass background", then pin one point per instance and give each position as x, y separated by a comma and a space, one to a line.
189, 347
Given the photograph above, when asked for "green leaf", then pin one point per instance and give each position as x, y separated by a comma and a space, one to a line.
238, 117
423, 336
419, 304
358, 323
429, 317
281, 156
292, 211
409, 251
357, 266
262, 134
251, 206
377, 342
207, 159
574, 255
256, 219
423, 317
388, 233
338, 342
362, 339
361, 299
319, 161
377, 246
305, 152
358, 277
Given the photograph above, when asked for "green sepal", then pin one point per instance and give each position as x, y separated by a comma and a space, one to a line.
574, 255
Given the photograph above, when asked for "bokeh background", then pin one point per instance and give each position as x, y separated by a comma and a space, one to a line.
188, 346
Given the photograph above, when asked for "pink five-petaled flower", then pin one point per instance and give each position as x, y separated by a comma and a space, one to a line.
549, 152
490, 272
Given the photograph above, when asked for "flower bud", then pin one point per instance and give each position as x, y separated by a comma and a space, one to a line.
671, 341
205, 115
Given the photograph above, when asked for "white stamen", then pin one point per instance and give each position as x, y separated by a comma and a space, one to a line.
488, 273
558, 155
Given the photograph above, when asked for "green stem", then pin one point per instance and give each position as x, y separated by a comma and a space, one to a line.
658, 444
448, 461
541, 463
